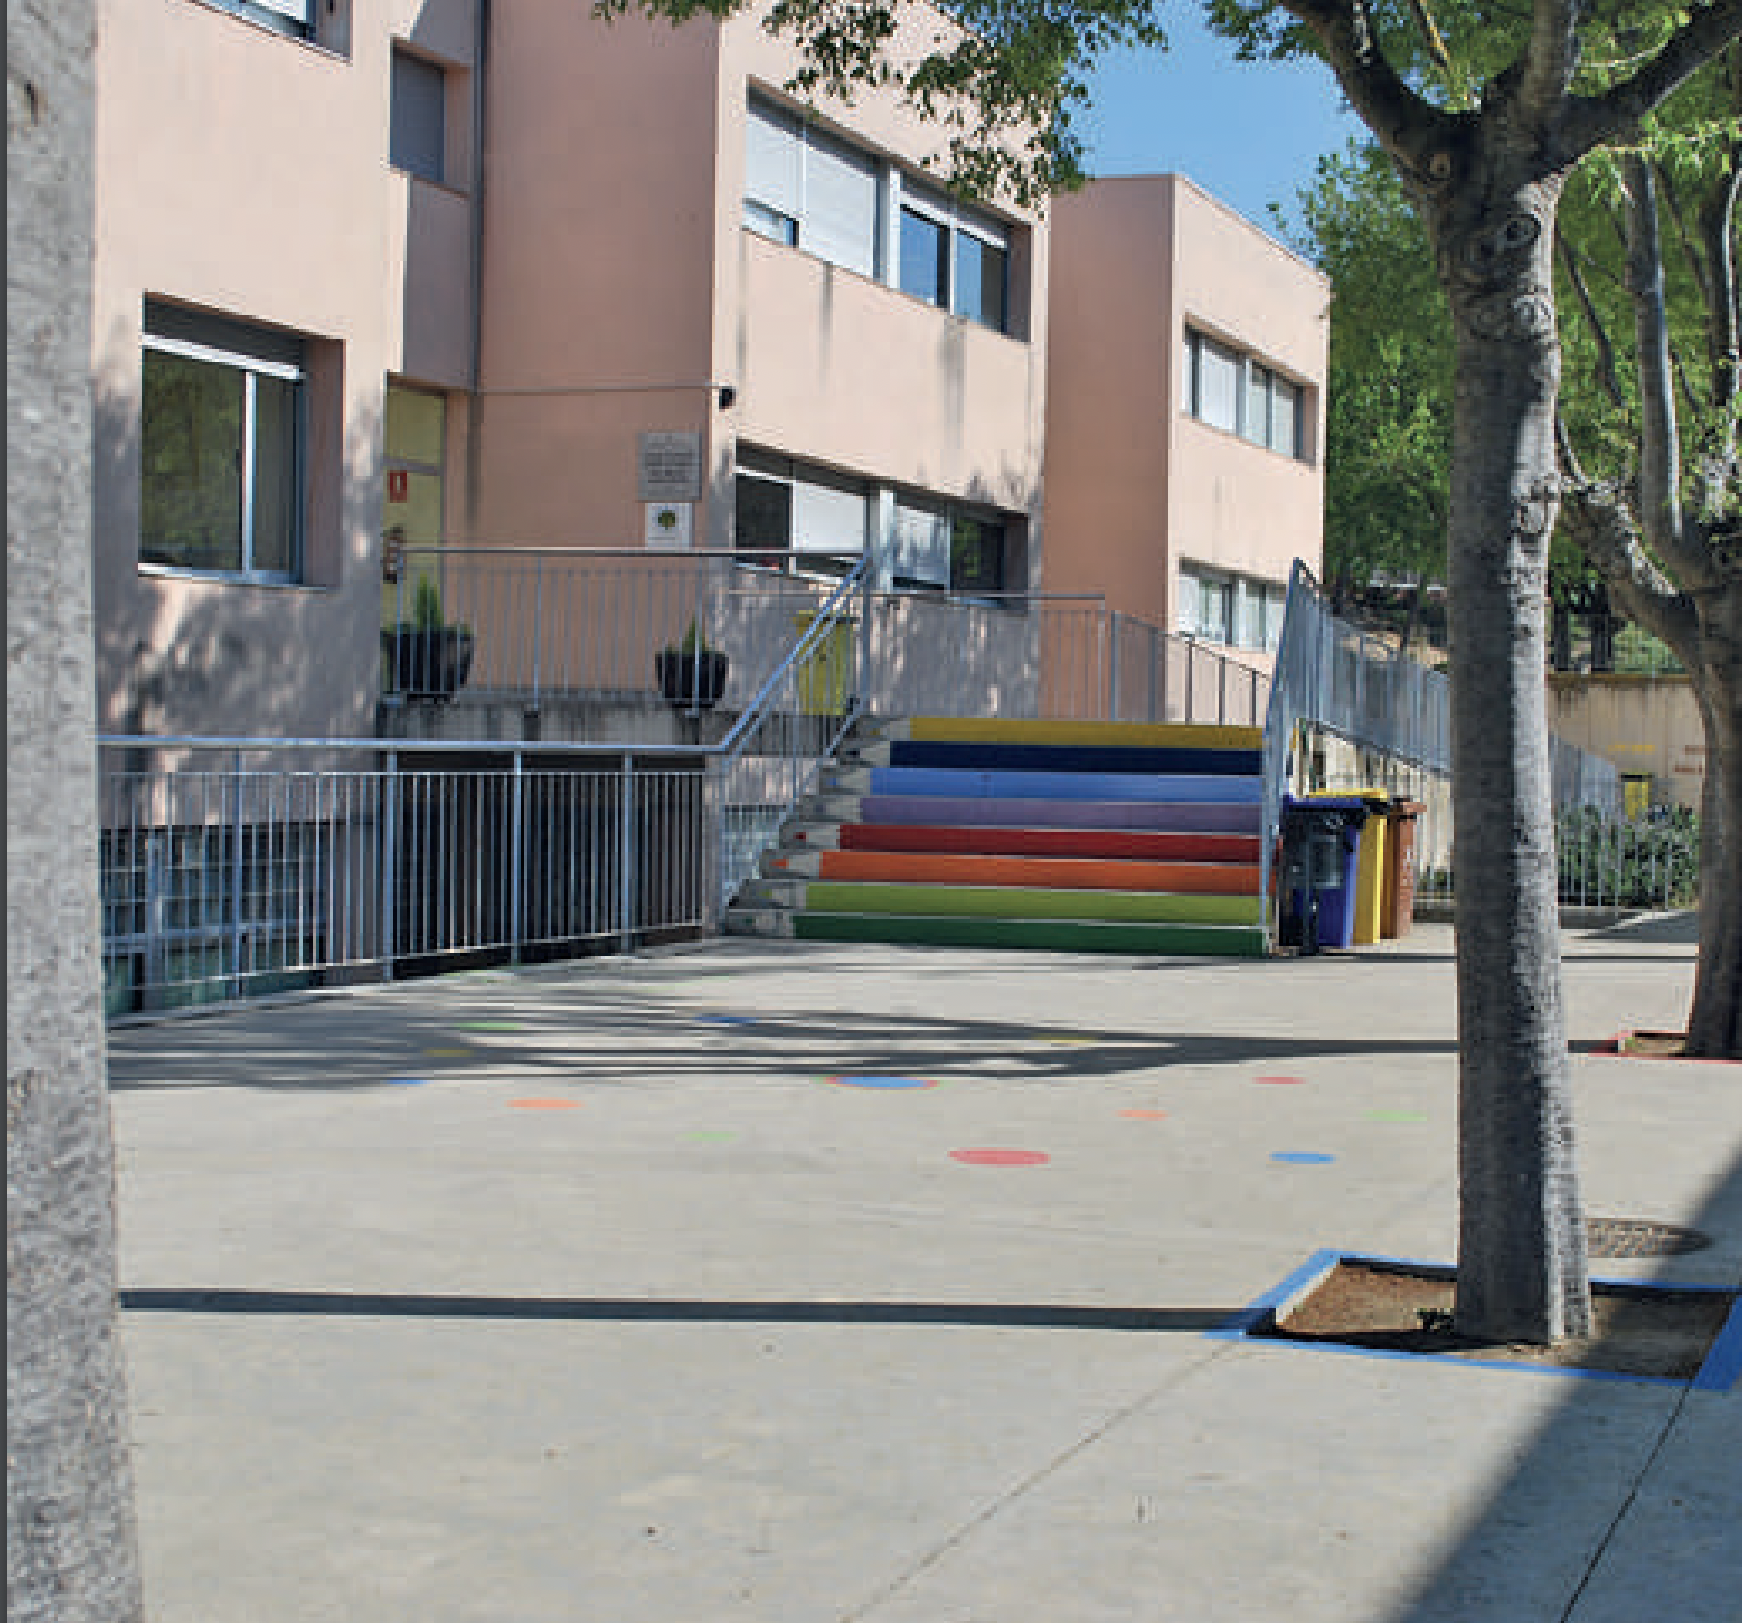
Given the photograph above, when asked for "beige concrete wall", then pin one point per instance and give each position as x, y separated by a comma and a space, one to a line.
1134, 484
247, 174
1641, 723
598, 268
1230, 504
842, 369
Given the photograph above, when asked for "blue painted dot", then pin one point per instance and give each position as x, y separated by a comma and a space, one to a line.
407, 1081
1303, 1158
727, 1019
886, 1082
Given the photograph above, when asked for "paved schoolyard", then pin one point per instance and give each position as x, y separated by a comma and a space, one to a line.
673, 1289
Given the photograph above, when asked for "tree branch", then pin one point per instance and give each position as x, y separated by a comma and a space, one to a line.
1594, 121
1659, 439
1412, 130
1603, 527
1607, 372
1550, 59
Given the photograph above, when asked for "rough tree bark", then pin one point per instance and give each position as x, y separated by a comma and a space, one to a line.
70, 1543
1488, 183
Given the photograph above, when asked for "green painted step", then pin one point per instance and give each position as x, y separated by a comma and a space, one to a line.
1015, 902
1047, 935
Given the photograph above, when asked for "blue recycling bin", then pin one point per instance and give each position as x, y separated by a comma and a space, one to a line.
1321, 843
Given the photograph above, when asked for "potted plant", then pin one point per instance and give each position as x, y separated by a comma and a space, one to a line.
692, 675
425, 656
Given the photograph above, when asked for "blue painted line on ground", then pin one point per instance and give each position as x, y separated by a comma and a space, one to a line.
1719, 1373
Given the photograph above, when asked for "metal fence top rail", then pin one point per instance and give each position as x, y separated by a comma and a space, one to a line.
399, 746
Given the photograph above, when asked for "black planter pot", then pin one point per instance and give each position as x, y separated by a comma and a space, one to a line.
691, 681
426, 662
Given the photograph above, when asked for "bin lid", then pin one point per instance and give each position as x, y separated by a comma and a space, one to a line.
1327, 808
1378, 799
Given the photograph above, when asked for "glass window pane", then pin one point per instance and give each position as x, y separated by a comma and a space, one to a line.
980, 281
1285, 418
191, 463
763, 519
1218, 385
925, 265
828, 516
770, 223
922, 547
976, 555
275, 482
1255, 422
418, 124
415, 421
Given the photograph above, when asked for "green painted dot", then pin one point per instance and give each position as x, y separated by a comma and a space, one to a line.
491, 1025
709, 1136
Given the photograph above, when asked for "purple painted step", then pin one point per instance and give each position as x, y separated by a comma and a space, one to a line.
1191, 818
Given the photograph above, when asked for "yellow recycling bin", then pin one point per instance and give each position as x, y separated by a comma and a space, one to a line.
1369, 862
822, 678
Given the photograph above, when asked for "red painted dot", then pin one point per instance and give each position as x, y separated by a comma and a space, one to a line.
1000, 1158
1144, 1115
1279, 1081
544, 1104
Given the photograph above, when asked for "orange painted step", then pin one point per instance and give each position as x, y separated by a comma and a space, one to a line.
1149, 845
1067, 873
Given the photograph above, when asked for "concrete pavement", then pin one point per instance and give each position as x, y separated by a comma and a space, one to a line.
671, 1289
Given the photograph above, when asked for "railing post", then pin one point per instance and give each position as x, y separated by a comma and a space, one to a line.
862, 692
389, 813
626, 864
1113, 673
537, 630
236, 878
516, 858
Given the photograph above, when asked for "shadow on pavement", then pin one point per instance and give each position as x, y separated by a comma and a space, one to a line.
634, 1309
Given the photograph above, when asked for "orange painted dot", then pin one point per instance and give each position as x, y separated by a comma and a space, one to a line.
544, 1104
1144, 1115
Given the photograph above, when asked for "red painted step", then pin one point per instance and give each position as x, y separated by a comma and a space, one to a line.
1061, 873
1051, 842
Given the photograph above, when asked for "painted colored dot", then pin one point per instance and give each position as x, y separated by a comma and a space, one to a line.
888, 1083
1144, 1115
544, 1104
491, 1025
726, 1019
1395, 1115
449, 1053
408, 1081
1303, 1158
1280, 1081
1000, 1158
707, 1136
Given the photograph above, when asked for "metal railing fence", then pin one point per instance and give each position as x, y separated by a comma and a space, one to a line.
1393, 716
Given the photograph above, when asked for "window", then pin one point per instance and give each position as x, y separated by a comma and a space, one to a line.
1234, 392
782, 508
809, 191
417, 139
292, 17
221, 435
942, 549
1238, 611
954, 258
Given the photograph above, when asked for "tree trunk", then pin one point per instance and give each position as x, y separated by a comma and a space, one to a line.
1521, 1253
70, 1544
1715, 1020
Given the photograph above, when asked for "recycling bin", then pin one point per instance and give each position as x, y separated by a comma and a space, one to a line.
1367, 902
1321, 840
1399, 905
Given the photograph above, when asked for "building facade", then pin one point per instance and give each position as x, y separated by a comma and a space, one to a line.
1185, 420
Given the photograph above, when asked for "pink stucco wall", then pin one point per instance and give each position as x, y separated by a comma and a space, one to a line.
1133, 483
247, 174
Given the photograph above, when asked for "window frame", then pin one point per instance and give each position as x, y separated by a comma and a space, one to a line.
956, 221
1252, 378
251, 367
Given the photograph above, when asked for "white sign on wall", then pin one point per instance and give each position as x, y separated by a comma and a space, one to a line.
668, 526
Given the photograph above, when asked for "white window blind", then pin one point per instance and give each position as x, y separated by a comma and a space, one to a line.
1285, 418
840, 206
922, 547
1216, 392
827, 517
774, 161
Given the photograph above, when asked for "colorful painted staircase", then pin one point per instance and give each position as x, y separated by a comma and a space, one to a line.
1068, 836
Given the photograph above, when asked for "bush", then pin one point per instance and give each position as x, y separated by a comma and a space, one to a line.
1608, 862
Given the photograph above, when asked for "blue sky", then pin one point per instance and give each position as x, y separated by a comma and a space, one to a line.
1249, 133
